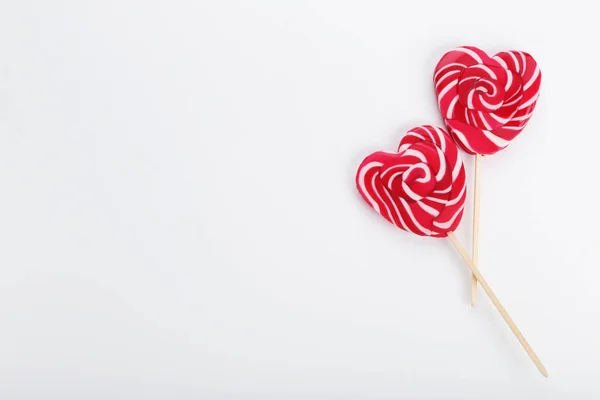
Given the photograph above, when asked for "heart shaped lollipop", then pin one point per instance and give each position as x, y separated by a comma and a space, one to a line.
485, 102
421, 188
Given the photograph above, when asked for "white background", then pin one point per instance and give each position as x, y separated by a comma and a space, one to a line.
178, 217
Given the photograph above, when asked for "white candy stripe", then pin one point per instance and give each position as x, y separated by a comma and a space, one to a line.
448, 224
423, 167
514, 87
469, 78
524, 63
501, 61
394, 176
470, 100
528, 102
487, 69
471, 53
515, 94
439, 82
429, 134
457, 198
414, 153
450, 111
509, 79
484, 89
448, 66
441, 136
523, 117
531, 80
463, 139
405, 146
415, 134
497, 140
428, 209
361, 183
412, 217
393, 167
442, 169
398, 215
494, 87
449, 188
515, 101
517, 67
474, 117
488, 105
448, 87
436, 200
410, 193
499, 119
425, 178
484, 120
457, 167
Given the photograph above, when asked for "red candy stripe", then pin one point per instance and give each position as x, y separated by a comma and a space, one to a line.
486, 101
421, 188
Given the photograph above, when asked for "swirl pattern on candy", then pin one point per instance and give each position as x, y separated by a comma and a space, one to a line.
421, 188
486, 101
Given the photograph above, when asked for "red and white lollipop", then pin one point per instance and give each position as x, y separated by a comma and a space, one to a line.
485, 102
421, 188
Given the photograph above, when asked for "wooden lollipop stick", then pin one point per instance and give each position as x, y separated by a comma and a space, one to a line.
475, 248
498, 305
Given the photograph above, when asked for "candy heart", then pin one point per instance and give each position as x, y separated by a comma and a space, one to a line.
486, 101
421, 188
